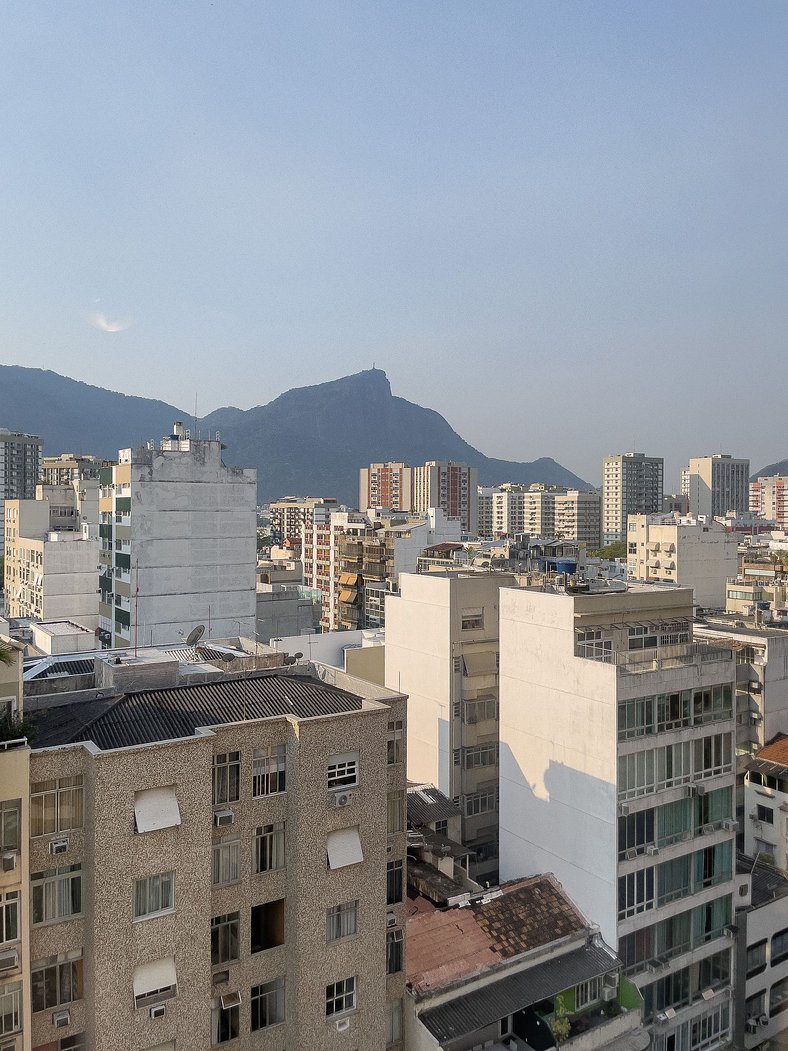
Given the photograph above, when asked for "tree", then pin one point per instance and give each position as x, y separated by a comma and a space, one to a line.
615, 550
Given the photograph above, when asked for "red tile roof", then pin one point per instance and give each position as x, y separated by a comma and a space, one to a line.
776, 752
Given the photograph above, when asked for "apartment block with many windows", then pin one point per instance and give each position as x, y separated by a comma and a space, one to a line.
207, 865
385, 485
20, 467
450, 486
715, 485
617, 774
632, 483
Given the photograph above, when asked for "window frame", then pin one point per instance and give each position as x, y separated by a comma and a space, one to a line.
342, 771
269, 771
395, 882
68, 981
60, 789
53, 877
223, 929
221, 857
151, 882
276, 988
226, 778
270, 845
338, 918
342, 997
395, 950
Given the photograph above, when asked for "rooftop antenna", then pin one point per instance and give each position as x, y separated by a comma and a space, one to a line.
195, 414
195, 635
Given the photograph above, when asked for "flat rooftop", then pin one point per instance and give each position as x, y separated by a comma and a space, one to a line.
739, 624
63, 627
176, 712
768, 883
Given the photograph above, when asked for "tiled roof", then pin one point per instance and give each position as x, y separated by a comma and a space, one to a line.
427, 805
776, 752
176, 712
444, 947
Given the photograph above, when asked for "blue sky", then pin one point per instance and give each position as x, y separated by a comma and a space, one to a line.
560, 224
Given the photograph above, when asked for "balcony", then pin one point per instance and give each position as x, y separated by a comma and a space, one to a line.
591, 1028
683, 655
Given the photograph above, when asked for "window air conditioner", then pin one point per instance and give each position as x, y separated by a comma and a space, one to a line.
342, 1024
158, 1011
652, 849
623, 809
9, 861
342, 798
609, 993
231, 1000
730, 825
58, 846
630, 853
61, 1019
391, 919
763, 1021
701, 789
707, 830
223, 817
752, 1025
9, 958
220, 977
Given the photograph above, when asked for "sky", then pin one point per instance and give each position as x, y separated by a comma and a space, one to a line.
560, 224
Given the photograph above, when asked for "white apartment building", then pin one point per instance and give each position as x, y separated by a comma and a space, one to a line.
578, 516
692, 552
51, 554
178, 544
484, 502
715, 485
632, 483
450, 486
766, 804
386, 485
20, 467
769, 498
617, 774
291, 513
538, 510
442, 647
69, 467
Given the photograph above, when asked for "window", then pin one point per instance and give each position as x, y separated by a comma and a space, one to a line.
713, 755
341, 996
480, 802
635, 893
224, 938
11, 1008
226, 862
642, 638
9, 916
56, 805
393, 882
56, 981
343, 847
588, 992
394, 942
395, 812
472, 619
268, 925
56, 894
778, 997
77, 1043
154, 895
481, 755
343, 770
268, 1004
225, 1024
636, 774
268, 771
481, 709
393, 1022
754, 1006
394, 737
9, 824
154, 982
593, 645
779, 947
341, 921
765, 814
226, 777
269, 847
156, 808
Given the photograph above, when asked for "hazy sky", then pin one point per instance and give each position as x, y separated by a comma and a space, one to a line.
561, 224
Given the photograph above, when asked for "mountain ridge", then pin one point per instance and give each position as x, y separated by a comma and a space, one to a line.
307, 440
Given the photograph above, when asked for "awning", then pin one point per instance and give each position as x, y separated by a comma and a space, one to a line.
344, 848
348, 578
348, 596
156, 808
481, 663
148, 977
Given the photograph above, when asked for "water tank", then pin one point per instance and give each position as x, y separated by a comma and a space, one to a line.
566, 565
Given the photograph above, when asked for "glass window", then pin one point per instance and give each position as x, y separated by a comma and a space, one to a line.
56, 894
226, 777
268, 1004
755, 1006
224, 938
341, 921
9, 824
472, 618
394, 739
635, 893
395, 812
9, 916
480, 756
269, 770
10, 1008
588, 992
225, 1024
765, 814
56, 805
779, 946
393, 1022
154, 895
269, 847
393, 882
55, 982
343, 770
778, 997
341, 996
226, 862
394, 944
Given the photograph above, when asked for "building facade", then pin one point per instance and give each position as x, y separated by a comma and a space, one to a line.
617, 774
715, 485
20, 467
769, 498
450, 486
68, 468
632, 483
291, 513
178, 544
385, 485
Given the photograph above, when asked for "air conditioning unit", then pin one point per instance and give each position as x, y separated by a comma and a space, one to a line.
707, 830
223, 817
231, 1000
623, 809
9, 958
9, 861
391, 919
730, 825
343, 798
342, 1024
652, 849
609, 993
220, 977
763, 1021
700, 788
731, 930
158, 1011
630, 853
752, 1025
61, 1019
58, 846
755, 717
708, 994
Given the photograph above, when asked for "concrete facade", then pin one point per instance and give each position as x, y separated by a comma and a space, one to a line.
769, 498
386, 485
20, 468
632, 483
450, 486
715, 485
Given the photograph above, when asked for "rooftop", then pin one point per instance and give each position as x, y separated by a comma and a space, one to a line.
461, 942
63, 627
768, 883
776, 752
426, 805
177, 712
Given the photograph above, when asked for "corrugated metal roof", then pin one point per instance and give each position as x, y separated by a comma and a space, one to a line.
167, 714
472, 1011
427, 805
60, 668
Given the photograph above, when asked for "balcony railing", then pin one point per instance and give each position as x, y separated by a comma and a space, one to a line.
640, 661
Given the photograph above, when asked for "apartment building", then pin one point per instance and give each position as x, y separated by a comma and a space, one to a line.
766, 804
697, 553
453, 487
768, 498
632, 483
617, 740
51, 554
442, 650
578, 516
715, 485
68, 468
386, 485
484, 510
178, 543
20, 467
206, 865
540, 511
290, 514
517, 968
10, 676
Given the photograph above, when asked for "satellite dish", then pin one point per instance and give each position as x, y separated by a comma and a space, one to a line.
298, 656
288, 659
195, 635
227, 657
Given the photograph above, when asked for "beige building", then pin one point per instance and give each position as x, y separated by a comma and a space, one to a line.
206, 865
544, 511
632, 483
769, 498
68, 467
715, 485
680, 549
20, 467
387, 485
450, 486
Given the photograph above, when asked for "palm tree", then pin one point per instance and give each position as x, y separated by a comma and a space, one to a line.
6, 655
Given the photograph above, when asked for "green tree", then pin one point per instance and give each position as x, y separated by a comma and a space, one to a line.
615, 550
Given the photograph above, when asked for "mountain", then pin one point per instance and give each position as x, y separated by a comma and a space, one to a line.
311, 440
781, 467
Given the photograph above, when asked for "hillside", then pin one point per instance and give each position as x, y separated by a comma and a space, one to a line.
781, 467
308, 440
